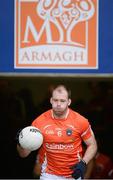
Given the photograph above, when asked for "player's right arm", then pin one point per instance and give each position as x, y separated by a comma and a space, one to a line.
22, 152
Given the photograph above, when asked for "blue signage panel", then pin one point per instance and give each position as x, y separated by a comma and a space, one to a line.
72, 37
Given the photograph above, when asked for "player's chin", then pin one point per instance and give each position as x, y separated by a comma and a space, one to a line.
58, 112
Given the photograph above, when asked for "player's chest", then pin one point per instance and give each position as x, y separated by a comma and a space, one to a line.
58, 132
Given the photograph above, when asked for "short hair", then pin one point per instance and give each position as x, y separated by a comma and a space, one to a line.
59, 88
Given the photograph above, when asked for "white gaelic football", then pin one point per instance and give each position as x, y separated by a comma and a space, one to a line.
30, 138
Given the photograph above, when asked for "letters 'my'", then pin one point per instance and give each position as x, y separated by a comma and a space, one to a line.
64, 14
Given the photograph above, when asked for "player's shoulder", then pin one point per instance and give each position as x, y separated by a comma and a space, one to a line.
77, 116
43, 117
80, 122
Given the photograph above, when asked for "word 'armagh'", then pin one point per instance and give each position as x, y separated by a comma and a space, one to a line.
44, 57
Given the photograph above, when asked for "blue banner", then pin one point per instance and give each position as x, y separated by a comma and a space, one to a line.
65, 40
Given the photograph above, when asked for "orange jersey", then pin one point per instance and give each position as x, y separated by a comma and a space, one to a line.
62, 140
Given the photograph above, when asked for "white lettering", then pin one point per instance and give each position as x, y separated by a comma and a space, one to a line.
54, 146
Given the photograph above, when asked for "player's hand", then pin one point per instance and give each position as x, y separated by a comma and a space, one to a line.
79, 170
17, 136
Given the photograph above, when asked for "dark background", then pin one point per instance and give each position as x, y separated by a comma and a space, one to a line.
105, 42
22, 99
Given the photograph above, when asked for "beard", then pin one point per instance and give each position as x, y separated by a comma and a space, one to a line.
60, 113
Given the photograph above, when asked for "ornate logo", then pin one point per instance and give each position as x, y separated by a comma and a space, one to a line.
56, 33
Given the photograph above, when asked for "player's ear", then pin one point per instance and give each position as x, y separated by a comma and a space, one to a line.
69, 102
51, 100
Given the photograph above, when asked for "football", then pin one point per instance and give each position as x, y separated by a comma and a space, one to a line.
30, 138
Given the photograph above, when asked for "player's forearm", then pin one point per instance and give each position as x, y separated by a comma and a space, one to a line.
22, 152
90, 152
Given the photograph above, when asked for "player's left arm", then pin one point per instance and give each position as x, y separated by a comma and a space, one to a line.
79, 169
91, 148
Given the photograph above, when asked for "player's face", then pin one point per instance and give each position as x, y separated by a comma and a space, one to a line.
60, 103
